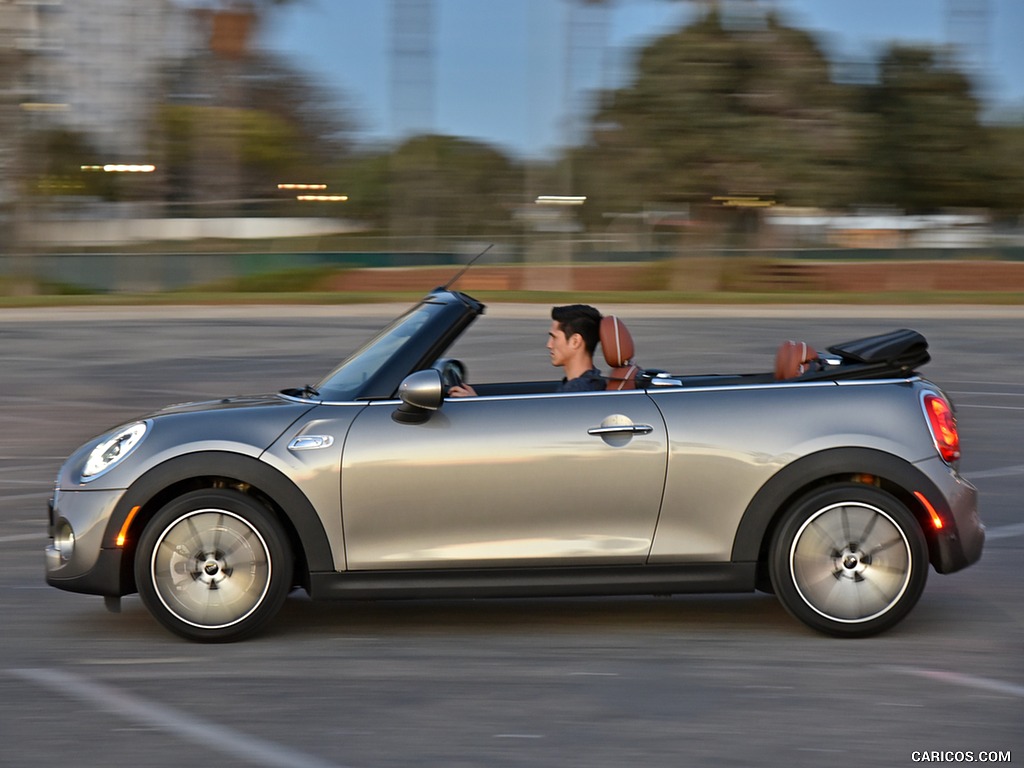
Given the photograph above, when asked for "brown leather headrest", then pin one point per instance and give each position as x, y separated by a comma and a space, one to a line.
792, 358
616, 342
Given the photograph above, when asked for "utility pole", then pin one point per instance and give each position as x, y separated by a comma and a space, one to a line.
968, 35
412, 113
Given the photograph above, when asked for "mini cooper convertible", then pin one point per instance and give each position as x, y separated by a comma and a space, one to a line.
831, 481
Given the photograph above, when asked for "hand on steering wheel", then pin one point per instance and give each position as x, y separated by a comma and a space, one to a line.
461, 390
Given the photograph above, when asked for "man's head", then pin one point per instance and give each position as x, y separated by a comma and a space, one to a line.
575, 331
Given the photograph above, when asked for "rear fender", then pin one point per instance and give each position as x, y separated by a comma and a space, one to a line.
896, 475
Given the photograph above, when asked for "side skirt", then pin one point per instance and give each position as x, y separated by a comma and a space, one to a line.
535, 582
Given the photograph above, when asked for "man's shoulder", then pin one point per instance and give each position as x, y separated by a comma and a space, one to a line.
588, 381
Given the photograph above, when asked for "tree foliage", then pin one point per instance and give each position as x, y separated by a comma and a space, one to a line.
714, 110
927, 148
440, 185
258, 123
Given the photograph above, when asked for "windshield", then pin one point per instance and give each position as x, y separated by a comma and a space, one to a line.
346, 381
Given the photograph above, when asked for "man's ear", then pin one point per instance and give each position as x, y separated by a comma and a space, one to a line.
576, 341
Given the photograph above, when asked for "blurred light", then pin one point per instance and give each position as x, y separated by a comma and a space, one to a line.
743, 201
561, 200
120, 168
302, 186
35, 106
322, 198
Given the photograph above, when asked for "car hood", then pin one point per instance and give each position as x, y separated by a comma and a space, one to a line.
225, 403
245, 425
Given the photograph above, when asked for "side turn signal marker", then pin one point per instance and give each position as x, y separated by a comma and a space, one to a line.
123, 533
936, 520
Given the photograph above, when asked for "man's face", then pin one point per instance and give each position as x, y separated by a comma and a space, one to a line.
559, 347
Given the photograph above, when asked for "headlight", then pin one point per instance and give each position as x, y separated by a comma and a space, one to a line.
107, 454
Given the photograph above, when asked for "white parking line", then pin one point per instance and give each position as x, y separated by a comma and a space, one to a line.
967, 681
998, 472
216, 738
1004, 532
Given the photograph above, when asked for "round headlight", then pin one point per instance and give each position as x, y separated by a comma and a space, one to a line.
113, 449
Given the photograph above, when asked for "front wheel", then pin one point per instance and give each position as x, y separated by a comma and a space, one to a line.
850, 560
213, 566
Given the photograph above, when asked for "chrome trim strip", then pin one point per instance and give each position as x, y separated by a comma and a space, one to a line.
864, 382
649, 391
294, 399
524, 396
628, 429
741, 387
785, 385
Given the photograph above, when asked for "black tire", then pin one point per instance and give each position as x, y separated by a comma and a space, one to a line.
213, 566
849, 560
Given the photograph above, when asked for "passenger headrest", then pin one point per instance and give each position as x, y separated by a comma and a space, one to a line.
616, 342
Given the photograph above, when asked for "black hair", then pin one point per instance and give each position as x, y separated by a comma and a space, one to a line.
581, 319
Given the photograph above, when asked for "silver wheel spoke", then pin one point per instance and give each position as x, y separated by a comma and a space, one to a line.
850, 579
211, 568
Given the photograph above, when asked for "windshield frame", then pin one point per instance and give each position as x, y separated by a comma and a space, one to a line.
411, 342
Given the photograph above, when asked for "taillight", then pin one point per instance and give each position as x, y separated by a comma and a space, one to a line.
943, 426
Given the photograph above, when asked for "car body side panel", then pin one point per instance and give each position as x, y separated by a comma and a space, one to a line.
726, 443
316, 470
503, 481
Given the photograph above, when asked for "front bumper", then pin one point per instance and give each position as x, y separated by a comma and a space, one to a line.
89, 567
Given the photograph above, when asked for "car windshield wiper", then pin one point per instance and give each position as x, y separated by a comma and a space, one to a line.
309, 391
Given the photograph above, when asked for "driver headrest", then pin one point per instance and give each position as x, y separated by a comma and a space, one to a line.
616, 342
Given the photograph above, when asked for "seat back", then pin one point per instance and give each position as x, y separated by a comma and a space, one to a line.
793, 359
617, 346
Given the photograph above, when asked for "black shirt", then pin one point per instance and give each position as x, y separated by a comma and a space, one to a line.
589, 381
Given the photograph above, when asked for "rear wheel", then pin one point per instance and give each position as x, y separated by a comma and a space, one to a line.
850, 560
213, 566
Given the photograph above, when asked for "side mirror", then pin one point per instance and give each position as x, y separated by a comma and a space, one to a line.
420, 393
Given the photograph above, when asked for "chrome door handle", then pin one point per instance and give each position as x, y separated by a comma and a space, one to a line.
625, 429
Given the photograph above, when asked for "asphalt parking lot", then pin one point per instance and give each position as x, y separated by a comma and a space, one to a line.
689, 680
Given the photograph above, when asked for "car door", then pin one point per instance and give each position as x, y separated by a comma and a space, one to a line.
555, 479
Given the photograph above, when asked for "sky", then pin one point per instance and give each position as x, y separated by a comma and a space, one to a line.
507, 72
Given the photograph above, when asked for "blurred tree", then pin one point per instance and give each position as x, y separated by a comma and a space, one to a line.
281, 127
452, 186
59, 156
715, 110
1007, 152
927, 148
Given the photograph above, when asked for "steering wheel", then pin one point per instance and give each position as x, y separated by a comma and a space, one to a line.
453, 373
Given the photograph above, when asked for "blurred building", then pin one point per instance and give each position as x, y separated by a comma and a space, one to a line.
94, 66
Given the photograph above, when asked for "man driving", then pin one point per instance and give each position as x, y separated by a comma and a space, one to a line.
573, 337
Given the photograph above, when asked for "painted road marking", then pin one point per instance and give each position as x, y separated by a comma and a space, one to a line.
967, 681
216, 738
998, 472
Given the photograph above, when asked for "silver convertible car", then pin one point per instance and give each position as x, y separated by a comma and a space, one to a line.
831, 481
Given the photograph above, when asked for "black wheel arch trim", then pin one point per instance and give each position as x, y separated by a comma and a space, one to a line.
771, 501
297, 509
